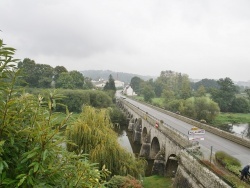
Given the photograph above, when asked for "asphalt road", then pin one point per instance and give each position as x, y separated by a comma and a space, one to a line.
218, 144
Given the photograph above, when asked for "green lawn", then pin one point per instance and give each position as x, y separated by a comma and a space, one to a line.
157, 181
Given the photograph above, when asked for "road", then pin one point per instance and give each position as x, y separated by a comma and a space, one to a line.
218, 144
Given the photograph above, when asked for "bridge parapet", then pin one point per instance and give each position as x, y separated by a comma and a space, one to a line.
196, 174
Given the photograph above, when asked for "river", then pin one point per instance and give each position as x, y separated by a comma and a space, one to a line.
125, 140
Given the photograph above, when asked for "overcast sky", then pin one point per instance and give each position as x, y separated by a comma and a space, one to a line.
201, 38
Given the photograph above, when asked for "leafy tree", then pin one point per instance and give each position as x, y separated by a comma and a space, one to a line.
58, 70
31, 141
188, 108
248, 93
148, 93
29, 77
45, 74
77, 79
65, 81
240, 105
185, 87
136, 84
225, 95
207, 83
92, 133
35, 75
168, 95
206, 109
201, 92
158, 88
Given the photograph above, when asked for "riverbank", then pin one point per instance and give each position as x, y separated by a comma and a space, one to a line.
231, 118
157, 181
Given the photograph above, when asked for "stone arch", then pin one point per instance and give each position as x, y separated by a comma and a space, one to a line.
155, 147
171, 166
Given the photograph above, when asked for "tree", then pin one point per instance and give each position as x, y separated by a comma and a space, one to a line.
31, 138
44, 74
206, 109
58, 70
248, 93
92, 133
148, 93
225, 95
77, 79
135, 83
35, 75
65, 81
110, 85
207, 83
27, 66
168, 95
240, 105
185, 87
201, 92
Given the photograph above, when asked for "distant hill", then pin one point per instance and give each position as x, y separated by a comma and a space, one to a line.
104, 74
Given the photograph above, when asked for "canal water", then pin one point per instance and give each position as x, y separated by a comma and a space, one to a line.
125, 140
241, 130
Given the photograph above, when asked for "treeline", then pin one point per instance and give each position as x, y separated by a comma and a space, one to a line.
201, 100
44, 76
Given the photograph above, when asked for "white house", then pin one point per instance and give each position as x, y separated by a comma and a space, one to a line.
128, 90
99, 84
119, 84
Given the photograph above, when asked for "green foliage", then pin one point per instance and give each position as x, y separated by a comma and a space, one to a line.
76, 99
32, 151
110, 85
227, 160
148, 93
207, 83
124, 182
117, 117
228, 118
240, 105
58, 70
92, 133
225, 95
35, 75
201, 92
136, 84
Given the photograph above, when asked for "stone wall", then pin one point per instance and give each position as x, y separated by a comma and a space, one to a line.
196, 174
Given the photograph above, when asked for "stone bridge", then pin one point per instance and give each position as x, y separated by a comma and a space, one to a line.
169, 149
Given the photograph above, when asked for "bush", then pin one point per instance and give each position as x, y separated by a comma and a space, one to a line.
229, 162
75, 99
226, 159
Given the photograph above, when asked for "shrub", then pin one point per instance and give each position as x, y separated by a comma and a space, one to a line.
226, 160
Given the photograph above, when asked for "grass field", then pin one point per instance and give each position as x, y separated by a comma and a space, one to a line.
157, 181
231, 118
